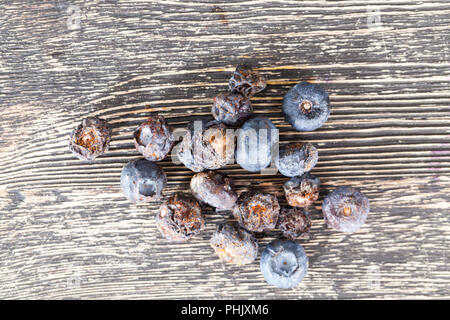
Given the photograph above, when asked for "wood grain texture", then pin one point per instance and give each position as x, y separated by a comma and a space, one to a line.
66, 230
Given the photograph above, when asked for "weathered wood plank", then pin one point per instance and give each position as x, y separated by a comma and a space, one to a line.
66, 230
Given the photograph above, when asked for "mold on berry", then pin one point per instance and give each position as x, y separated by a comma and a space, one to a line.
297, 158
206, 145
306, 106
257, 211
234, 244
180, 218
142, 181
294, 223
90, 139
154, 138
345, 209
284, 264
231, 108
214, 189
246, 81
254, 146
302, 191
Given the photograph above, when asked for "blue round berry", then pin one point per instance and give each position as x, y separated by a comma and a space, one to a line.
306, 106
142, 181
254, 146
345, 209
284, 264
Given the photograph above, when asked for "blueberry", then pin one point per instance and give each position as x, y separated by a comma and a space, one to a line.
257, 211
246, 81
154, 138
345, 209
302, 191
231, 108
90, 139
253, 153
215, 189
234, 245
306, 106
297, 158
284, 264
142, 181
180, 218
294, 223
206, 145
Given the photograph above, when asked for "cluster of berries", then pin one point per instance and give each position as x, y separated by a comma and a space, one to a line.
283, 262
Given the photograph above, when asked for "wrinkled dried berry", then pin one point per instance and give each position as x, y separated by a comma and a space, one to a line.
142, 181
254, 146
306, 106
294, 223
215, 189
246, 81
284, 264
297, 158
257, 211
180, 218
154, 138
231, 108
206, 145
302, 191
91, 138
234, 244
345, 209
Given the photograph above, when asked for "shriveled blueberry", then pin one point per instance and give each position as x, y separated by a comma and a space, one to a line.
345, 209
297, 158
254, 144
306, 106
257, 211
180, 218
154, 138
234, 245
215, 189
142, 181
90, 139
231, 108
294, 223
206, 145
284, 264
247, 81
302, 191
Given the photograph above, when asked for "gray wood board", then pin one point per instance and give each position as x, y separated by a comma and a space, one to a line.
67, 231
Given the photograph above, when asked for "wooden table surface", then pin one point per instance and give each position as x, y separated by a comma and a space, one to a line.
67, 231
